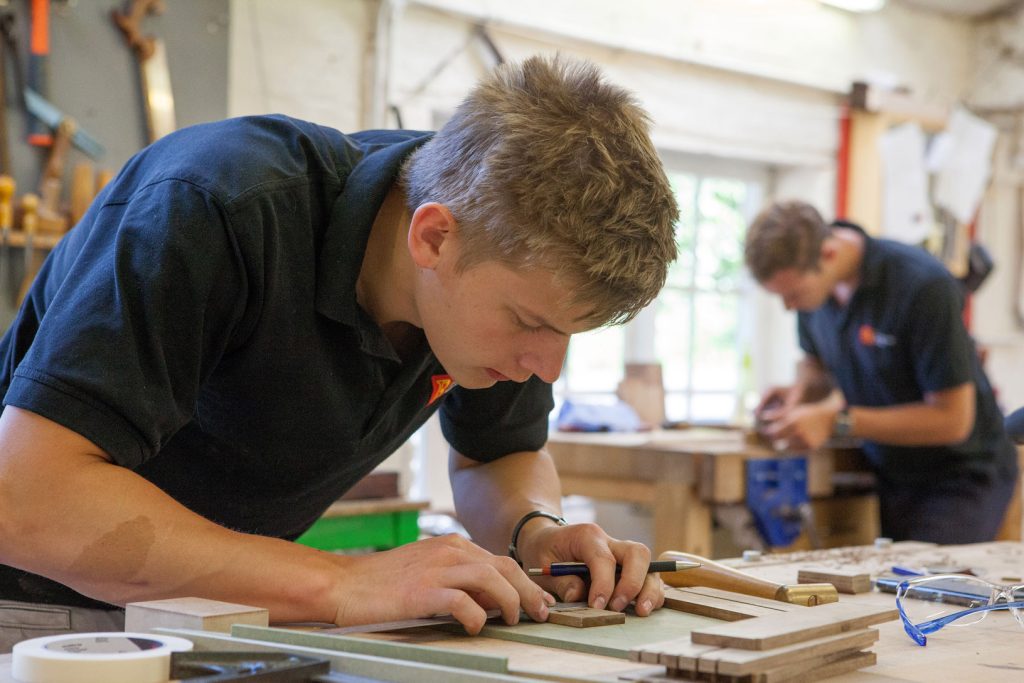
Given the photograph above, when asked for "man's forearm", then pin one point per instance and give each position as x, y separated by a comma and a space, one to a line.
69, 514
812, 381
491, 497
944, 418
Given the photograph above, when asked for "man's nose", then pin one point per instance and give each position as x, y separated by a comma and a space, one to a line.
545, 358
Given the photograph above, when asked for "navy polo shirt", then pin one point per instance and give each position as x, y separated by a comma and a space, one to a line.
901, 336
200, 325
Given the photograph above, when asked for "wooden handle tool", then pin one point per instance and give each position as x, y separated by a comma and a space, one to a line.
715, 575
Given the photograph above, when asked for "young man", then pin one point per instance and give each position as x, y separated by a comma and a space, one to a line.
257, 312
882, 322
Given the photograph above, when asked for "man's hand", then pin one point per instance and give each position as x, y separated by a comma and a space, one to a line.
775, 402
444, 575
804, 427
589, 543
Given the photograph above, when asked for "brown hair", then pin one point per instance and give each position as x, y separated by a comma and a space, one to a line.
785, 235
545, 165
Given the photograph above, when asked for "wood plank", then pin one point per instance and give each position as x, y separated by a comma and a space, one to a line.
679, 653
544, 663
586, 617
751, 600
353, 664
693, 602
736, 662
378, 484
785, 629
376, 648
194, 613
844, 581
832, 667
611, 641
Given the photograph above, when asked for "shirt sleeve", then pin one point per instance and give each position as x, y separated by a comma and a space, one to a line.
941, 347
486, 424
806, 340
134, 312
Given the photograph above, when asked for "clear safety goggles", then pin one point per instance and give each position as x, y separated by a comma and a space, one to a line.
928, 603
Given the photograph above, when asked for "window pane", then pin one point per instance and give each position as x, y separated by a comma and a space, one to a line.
720, 234
684, 187
715, 340
713, 407
594, 361
672, 338
677, 407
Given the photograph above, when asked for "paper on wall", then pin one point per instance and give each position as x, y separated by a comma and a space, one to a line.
963, 163
906, 212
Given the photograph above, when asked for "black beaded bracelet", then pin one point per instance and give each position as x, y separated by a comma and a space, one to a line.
512, 550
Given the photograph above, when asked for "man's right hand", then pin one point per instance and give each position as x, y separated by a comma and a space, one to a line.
443, 575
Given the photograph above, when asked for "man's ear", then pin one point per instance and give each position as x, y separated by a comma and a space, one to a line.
828, 250
432, 231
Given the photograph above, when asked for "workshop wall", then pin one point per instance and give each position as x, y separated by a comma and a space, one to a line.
733, 79
93, 77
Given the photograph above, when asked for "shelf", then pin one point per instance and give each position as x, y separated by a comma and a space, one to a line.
41, 240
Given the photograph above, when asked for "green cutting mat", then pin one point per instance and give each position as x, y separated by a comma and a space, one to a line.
612, 641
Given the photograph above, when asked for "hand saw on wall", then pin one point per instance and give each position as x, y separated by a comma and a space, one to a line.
154, 74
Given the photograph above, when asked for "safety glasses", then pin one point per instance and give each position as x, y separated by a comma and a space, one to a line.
928, 603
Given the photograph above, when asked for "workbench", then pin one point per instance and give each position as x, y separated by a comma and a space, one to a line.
991, 650
681, 474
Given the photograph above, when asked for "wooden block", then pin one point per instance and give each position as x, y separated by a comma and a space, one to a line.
770, 632
191, 613
845, 582
724, 605
585, 617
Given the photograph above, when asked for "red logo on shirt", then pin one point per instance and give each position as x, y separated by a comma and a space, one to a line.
442, 383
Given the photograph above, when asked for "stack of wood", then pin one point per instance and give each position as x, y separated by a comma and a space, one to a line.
804, 644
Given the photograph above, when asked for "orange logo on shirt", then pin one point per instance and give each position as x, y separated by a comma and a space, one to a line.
866, 335
442, 383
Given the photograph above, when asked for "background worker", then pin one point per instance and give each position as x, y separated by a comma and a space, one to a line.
257, 312
881, 322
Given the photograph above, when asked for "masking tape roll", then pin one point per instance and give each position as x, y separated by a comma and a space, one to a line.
115, 657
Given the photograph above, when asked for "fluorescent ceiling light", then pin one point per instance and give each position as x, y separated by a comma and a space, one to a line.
856, 5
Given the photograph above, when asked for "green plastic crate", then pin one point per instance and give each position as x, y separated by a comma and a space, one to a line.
377, 530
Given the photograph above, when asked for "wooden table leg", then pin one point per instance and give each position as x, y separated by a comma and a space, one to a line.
682, 521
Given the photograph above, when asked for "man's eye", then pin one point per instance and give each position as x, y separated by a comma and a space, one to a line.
527, 326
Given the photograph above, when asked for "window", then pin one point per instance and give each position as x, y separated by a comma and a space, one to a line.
698, 328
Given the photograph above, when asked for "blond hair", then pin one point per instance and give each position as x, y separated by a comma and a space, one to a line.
545, 165
785, 235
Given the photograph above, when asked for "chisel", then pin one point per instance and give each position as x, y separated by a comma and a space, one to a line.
715, 575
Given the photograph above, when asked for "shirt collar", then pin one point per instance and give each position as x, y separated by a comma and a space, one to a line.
352, 216
871, 263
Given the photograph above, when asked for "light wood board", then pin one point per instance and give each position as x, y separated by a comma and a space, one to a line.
611, 641
776, 631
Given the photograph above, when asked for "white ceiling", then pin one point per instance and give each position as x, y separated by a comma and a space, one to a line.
963, 8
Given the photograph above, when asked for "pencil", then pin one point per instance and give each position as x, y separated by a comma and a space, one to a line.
580, 568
